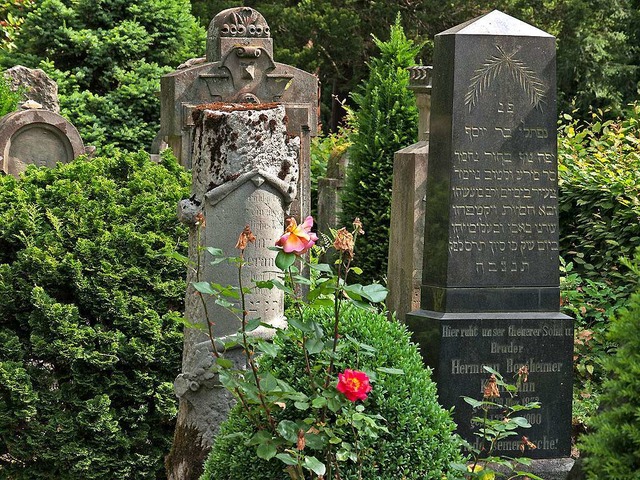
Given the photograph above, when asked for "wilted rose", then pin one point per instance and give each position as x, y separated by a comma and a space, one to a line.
298, 239
245, 238
354, 385
344, 241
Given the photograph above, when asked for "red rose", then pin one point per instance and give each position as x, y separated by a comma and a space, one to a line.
354, 384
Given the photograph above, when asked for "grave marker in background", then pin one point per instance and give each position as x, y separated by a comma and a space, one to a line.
406, 240
490, 289
239, 67
39, 137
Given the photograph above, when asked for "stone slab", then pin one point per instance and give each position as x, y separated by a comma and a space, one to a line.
492, 182
39, 137
457, 345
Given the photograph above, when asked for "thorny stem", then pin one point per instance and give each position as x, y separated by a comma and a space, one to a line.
358, 457
304, 336
214, 349
247, 350
336, 316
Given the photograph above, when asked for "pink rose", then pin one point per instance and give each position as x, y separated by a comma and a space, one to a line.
298, 239
354, 385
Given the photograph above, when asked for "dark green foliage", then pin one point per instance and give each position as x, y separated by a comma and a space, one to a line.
599, 188
598, 41
419, 444
384, 121
613, 446
90, 337
108, 58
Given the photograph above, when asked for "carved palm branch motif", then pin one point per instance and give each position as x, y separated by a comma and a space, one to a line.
520, 72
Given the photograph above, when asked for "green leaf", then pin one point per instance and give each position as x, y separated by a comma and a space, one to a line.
224, 362
321, 267
266, 451
319, 402
375, 293
216, 252
268, 284
303, 327
322, 302
473, 402
204, 287
252, 324
287, 458
301, 405
314, 345
356, 270
521, 422
284, 260
288, 430
315, 465
268, 348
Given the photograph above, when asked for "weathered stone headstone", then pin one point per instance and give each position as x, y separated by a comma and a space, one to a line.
406, 240
329, 190
38, 137
239, 67
245, 172
490, 290
36, 86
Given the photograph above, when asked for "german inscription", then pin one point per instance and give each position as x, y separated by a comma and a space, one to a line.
534, 346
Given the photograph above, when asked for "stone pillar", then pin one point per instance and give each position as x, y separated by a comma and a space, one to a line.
406, 231
245, 172
490, 290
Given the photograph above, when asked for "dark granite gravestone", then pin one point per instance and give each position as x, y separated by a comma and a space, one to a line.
490, 290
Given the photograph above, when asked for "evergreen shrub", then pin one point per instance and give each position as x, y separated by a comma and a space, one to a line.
599, 195
90, 334
107, 58
420, 443
613, 447
384, 120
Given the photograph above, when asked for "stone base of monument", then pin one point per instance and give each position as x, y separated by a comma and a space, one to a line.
458, 346
548, 469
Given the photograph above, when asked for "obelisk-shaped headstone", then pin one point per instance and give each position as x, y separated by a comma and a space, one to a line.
490, 291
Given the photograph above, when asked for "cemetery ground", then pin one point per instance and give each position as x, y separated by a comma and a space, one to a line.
542, 274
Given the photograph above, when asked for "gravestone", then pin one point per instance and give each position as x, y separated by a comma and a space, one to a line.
39, 137
490, 290
239, 67
406, 240
245, 172
329, 190
35, 85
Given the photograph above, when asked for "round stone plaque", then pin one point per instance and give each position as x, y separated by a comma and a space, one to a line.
38, 137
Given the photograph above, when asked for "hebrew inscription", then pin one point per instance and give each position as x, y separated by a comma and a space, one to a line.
503, 195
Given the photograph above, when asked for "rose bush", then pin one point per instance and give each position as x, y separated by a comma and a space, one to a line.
311, 426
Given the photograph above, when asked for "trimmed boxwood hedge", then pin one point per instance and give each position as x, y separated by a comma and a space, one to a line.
89, 334
420, 443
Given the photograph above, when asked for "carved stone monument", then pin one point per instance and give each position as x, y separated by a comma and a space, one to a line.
239, 67
490, 290
406, 240
245, 172
39, 137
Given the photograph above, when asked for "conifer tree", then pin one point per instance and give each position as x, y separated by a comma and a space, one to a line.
385, 120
